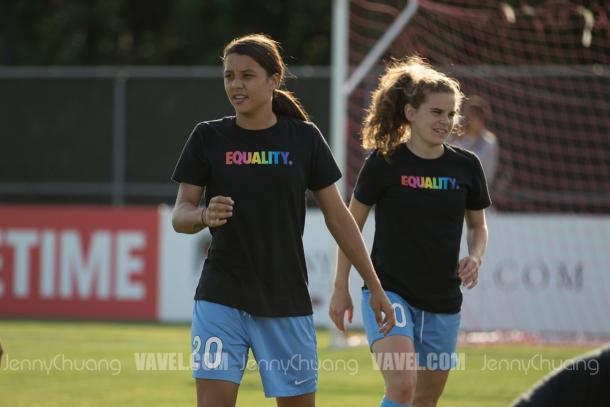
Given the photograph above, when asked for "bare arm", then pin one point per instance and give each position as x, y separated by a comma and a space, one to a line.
359, 212
477, 242
341, 305
344, 229
188, 217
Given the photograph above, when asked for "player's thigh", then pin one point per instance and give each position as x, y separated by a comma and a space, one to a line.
396, 359
394, 353
304, 400
216, 393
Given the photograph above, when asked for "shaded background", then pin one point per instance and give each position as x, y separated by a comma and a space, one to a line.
98, 97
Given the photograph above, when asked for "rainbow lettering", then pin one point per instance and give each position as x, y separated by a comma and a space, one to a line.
258, 157
418, 182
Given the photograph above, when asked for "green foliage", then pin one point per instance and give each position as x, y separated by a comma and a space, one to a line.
156, 32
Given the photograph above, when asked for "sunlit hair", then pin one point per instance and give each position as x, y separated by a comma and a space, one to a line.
404, 81
266, 52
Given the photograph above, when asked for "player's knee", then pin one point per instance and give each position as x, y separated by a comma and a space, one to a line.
400, 387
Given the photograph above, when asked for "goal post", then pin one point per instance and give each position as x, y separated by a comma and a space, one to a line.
544, 68
343, 85
537, 66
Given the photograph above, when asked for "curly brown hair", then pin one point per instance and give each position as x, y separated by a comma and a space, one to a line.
404, 82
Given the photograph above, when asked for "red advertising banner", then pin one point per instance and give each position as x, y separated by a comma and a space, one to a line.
79, 262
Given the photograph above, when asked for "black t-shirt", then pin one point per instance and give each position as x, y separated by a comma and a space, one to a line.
581, 382
256, 261
419, 214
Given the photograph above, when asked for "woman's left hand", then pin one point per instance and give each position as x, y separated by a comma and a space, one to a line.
468, 271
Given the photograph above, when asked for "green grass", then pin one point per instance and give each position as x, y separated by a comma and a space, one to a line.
354, 383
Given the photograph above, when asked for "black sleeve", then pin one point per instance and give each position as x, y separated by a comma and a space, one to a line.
192, 166
478, 196
369, 185
324, 170
581, 382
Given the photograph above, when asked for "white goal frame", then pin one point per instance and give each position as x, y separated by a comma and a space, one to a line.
341, 85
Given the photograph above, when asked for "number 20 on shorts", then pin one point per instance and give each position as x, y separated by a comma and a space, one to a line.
210, 360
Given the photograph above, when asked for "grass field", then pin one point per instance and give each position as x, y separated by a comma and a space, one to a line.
96, 364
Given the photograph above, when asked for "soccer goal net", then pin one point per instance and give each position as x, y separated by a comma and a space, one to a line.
544, 69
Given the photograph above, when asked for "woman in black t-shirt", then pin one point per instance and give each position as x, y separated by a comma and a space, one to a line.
422, 189
255, 168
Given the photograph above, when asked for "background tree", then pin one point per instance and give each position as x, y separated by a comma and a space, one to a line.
156, 32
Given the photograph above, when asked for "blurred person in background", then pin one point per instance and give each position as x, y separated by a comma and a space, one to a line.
476, 116
422, 189
254, 169
583, 381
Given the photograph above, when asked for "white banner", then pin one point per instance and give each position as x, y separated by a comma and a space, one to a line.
541, 273
181, 263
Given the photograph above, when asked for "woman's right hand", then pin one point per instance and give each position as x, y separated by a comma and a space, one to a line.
340, 304
218, 211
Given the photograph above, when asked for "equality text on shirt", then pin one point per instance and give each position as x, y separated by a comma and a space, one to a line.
258, 157
418, 182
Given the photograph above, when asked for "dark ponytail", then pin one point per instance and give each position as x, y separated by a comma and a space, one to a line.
285, 103
266, 52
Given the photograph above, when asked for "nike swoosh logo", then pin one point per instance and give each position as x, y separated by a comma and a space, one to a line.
299, 382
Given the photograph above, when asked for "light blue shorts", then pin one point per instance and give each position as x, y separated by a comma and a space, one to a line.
434, 335
284, 348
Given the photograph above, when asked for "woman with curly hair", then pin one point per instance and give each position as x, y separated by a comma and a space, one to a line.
422, 189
